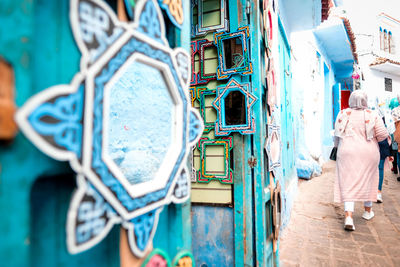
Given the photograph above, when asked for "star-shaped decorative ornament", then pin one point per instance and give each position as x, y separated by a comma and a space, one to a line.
273, 147
239, 94
125, 124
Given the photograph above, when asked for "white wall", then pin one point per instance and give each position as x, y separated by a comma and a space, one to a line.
309, 94
374, 83
366, 25
374, 80
394, 27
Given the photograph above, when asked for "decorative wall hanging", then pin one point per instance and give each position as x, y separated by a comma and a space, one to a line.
157, 258
273, 147
174, 10
198, 48
271, 82
193, 94
268, 26
194, 51
265, 4
183, 259
204, 176
204, 77
202, 93
234, 104
124, 123
233, 53
193, 5
267, 59
204, 24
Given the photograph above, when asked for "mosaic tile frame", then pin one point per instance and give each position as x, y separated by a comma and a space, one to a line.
244, 34
197, 48
221, 128
202, 76
222, 26
202, 92
274, 130
227, 177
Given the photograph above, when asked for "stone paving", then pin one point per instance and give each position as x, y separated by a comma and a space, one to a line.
315, 234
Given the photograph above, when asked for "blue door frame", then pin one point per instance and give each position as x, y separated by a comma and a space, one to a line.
250, 216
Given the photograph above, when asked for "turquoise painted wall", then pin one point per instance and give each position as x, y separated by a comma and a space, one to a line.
36, 67
36, 39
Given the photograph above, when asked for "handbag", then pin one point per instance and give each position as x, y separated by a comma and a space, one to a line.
333, 153
384, 149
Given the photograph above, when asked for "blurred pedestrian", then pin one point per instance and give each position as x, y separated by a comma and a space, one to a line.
393, 152
385, 147
396, 135
384, 152
357, 133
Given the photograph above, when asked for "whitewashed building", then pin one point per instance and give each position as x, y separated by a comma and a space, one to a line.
379, 59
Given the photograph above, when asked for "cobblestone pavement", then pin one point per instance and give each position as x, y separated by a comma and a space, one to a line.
315, 234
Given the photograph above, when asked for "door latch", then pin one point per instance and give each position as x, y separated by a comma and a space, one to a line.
252, 162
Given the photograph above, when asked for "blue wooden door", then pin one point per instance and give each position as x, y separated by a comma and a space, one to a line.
234, 230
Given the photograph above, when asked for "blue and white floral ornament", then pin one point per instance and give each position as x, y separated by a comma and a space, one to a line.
124, 123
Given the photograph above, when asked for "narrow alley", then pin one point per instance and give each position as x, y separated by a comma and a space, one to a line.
315, 234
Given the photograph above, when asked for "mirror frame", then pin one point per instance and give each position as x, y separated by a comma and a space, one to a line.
273, 129
202, 177
247, 68
202, 76
221, 129
202, 92
222, 26
198, 47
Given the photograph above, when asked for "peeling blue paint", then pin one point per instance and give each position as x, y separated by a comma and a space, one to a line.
212, 233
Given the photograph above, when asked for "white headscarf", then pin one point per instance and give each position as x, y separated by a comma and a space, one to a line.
358, 100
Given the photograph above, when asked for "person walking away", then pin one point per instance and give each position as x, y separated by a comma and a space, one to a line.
393, 152
384, 149
394, 103
384, 152
357, 133
396, 135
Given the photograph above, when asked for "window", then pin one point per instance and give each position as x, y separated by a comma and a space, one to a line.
381, 39
391, 43
386, 42
388, 84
